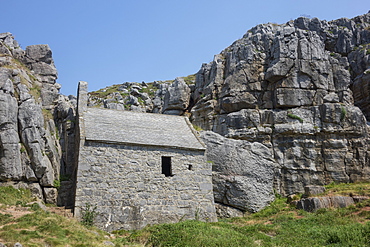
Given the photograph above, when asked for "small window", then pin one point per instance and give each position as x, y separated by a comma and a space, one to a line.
166, 166
190, 167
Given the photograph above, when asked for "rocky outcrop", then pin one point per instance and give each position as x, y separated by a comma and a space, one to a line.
168, 97
289, 87
30, 155
177, 97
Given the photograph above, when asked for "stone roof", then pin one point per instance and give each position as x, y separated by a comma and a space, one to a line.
127, 127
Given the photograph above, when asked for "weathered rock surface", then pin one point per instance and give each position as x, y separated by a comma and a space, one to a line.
177, 98
30, 153
293, 88
224, 211
312, 190
312, 204
243, 172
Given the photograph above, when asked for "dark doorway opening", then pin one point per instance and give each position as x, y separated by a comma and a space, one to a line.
166, 166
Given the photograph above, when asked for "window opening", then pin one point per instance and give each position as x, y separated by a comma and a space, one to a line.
166, 166
190, 167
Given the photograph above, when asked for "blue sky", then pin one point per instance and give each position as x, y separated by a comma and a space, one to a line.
110, 42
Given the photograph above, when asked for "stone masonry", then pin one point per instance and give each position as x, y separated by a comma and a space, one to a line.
122, 169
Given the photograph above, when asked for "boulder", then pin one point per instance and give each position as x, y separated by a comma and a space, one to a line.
224, 211
177, 98
242, 172
312, 190
312, 204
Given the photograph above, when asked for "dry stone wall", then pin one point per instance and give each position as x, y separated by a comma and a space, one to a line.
126, 184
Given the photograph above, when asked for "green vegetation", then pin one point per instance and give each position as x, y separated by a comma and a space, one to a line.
56, 183
10, 196
291, 115
197, 128
348, 189
150, 89
47, 115
190, 79
88, 214
22, 148
35, 91
279, 224
103, 93
39, 228
343, 113
48, 229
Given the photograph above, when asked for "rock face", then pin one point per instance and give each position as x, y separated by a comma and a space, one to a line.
30, 153
243, 172
292, 88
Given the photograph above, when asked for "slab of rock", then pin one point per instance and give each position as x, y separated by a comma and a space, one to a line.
224, 211
242, 172
312, 204
311, 190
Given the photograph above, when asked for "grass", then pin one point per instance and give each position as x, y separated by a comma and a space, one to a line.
48, 229
41, 228
190, 79
278, 227
343, 113
10, 196
35, 91
47, 114
348, 189
197, 128
295, 117
103, 93
279, 224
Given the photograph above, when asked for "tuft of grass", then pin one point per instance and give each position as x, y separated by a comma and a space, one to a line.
88, 214
11, 196
103, 93
190, 79
47, 114
197, 128
5, 218
348, 189
343, 113
56, 183
35, 91
291, 115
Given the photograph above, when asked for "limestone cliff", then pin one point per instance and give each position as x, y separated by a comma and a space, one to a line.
295, 97
30, 149
288, 87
